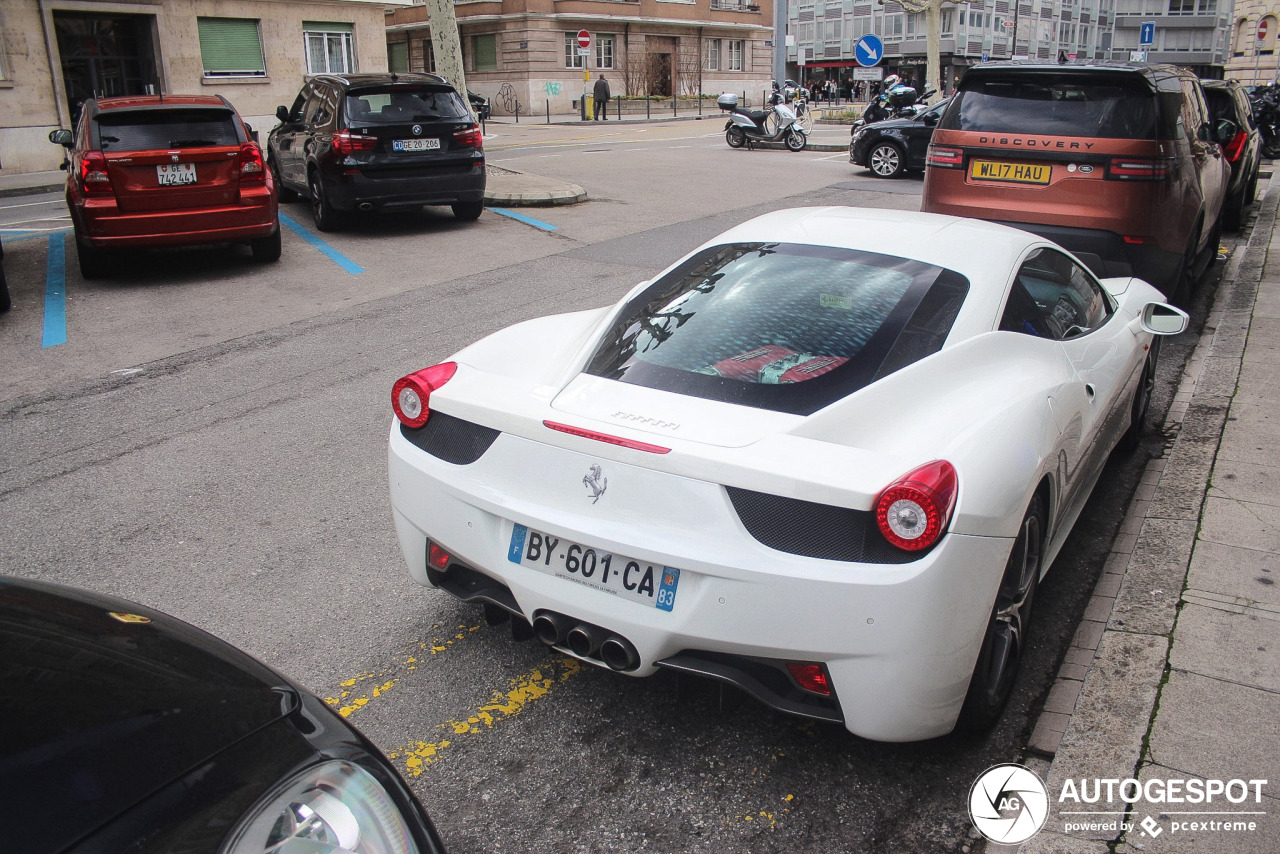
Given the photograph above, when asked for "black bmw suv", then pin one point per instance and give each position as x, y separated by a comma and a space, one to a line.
374, 142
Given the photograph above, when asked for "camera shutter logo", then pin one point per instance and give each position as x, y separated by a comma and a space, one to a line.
1008, 804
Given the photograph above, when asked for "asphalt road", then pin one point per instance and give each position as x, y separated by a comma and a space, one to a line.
211, 440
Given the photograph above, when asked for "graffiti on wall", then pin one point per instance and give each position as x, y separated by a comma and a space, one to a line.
552, 88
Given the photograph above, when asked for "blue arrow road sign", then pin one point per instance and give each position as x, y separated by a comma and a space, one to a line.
869, 50
1147, 34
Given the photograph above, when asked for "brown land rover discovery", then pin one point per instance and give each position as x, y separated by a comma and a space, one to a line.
1118, 162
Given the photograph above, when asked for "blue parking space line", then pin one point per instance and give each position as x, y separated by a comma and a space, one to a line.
55, 294
334, 255
10, 237
527, 220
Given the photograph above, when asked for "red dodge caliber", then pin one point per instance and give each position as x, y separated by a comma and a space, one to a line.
166, 170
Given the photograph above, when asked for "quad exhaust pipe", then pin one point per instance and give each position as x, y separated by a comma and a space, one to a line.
586, 641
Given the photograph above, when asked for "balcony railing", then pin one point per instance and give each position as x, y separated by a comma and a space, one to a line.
734, 6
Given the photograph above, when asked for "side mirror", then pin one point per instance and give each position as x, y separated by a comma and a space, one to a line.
282, 113
1161, 319
930, 119
62, 136
1226, 131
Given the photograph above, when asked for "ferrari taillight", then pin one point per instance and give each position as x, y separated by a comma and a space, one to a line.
346, 142
914, 510
94, 179
252, 169
411, 395
1235, 147
470, 137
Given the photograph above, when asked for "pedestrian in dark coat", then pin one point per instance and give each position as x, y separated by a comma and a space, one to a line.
601, 94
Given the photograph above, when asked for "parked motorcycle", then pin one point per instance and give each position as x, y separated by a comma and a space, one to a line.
1266, 112
777, 124
898, 101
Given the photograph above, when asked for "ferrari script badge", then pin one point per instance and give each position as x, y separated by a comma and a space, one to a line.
596, 482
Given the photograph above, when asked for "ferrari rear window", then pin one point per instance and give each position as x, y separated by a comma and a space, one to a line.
147, 130
1057, 104
780, 326
403, 105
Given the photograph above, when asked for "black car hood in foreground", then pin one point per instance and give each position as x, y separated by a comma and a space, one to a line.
108, 703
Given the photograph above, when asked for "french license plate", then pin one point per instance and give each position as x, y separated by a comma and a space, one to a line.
175, 174
414, 144
1018, 173
626, 577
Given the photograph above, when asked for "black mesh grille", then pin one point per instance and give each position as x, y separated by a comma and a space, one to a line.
815, 530
451, 439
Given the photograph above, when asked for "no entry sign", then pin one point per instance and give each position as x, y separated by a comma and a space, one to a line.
584, 38
1262, 29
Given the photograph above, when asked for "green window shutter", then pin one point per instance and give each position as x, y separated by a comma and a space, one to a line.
485, 51
398, 56
230, 47
326, 27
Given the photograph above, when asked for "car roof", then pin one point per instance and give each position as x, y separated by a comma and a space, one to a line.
133, 102
376, 79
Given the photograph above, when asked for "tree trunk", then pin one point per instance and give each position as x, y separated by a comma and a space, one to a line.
448, 47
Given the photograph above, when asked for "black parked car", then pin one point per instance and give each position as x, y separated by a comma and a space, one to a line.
893, 146
378, 142
480, 106
129, 730
1229, 100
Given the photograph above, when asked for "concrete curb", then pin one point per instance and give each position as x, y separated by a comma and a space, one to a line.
1101, 708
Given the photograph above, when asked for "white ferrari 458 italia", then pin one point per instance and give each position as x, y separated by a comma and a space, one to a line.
826, 457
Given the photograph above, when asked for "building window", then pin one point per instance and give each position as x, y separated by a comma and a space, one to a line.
713, 55
484, 52
328, 47
398, 56
571, 57
604, 50
428, 55
737, 50
231, 47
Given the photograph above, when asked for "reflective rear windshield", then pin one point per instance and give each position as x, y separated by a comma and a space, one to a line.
1091, 106
393, 105
780, 326
146, 130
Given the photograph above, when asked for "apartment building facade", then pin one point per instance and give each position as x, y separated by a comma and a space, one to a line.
524, 54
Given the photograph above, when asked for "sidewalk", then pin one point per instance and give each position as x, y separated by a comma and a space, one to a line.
1173, 674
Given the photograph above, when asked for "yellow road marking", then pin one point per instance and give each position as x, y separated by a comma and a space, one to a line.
417, 755
386, 679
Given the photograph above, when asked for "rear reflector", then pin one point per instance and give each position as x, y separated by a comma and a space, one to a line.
945, 158
438, 557
810, 677
605, 437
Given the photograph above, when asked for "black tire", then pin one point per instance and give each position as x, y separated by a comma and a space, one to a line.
283, 193
1132, 437
1005, 638
1233, 210
735, 137
266, 249
94, 263
327, 219
1271, 149
796, 141
468, 211
1183, 280
6, 302
886, 160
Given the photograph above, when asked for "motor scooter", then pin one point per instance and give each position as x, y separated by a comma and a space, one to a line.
777, 124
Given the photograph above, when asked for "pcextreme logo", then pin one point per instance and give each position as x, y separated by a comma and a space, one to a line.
1009, 804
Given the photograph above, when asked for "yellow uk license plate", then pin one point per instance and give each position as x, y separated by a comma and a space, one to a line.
1018, 173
